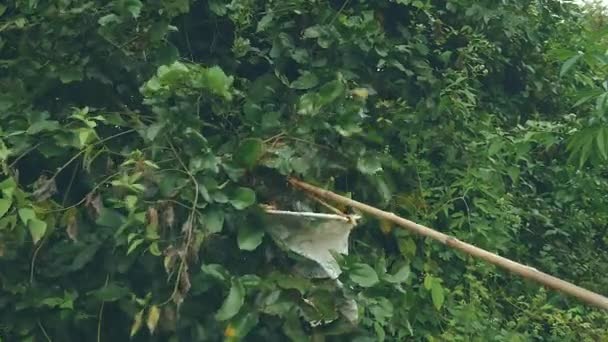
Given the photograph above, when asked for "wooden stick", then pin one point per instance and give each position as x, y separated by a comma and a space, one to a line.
517, 268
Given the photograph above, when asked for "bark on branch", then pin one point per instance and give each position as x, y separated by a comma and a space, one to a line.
512, 266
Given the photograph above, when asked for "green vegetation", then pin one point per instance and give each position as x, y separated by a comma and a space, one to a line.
137, 139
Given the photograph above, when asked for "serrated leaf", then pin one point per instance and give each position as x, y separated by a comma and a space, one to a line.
306, 81
249, 152
233, 302
152, 320
364, 275
437, 295
569, 64
5, 205
37, 229
242, 198
249, 237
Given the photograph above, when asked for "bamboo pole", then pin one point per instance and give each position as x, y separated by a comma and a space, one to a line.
450, 241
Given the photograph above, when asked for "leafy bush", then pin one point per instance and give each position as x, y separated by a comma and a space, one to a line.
137, 138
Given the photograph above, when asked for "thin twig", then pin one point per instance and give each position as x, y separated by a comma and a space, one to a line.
28, 151
34, 257
48, 338
101, 312
327, 205
84, 150
182, 263
100, 184
307, 214
69, 187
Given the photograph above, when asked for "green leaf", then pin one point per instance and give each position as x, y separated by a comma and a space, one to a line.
400, 276
369, 164
364, 275
37, 229
601, 139
242, 198
218, 7
569, 64
111, 292
249, 238
240, 326
213, 220
312, 32
216, 271
306, 81
5, 205
133, 7
206, 161
108, 19
437, 294
26, 214
43, 126
233, 303
110, 218
249, 152
264, 22
330, 92
218, 82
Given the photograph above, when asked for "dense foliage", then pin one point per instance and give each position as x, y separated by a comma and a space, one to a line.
137, 138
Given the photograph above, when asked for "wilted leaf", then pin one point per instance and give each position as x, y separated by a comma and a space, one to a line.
72, 228
153, 316
137, 322
93, 202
